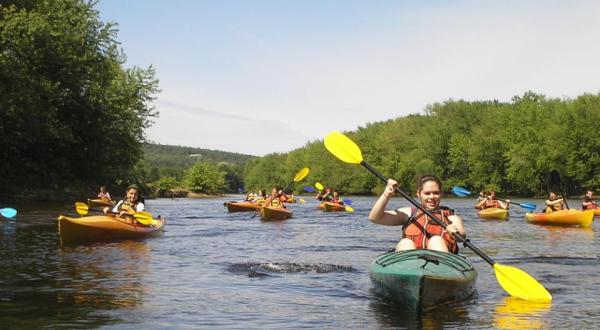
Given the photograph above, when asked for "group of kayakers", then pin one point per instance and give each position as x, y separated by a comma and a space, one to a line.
275, 199
419, 231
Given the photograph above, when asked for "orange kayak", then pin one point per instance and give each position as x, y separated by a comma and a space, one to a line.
332, 207
242, 206
597, 212
104, 228
270, 213
100, 203
493, 213
562, 218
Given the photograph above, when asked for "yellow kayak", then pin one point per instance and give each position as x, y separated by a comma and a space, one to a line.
242, 206
270, 213
100, 203
332, 207
493, 213
103, 228
562, 218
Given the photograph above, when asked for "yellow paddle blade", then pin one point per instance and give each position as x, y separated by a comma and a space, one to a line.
343, 148
144, 218
348, 209
302, 174
520, 284
302, 200
319, 186
81, 208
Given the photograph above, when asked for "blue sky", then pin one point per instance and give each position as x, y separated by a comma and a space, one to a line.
268, 76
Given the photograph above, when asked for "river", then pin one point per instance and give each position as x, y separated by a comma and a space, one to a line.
213, 269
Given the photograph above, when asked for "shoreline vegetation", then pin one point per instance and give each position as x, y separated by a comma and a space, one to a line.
77, 117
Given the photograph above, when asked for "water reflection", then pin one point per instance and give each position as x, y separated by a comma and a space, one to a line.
513, 313
558, 233
392, 315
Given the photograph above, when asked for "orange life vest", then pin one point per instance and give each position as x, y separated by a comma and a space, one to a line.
491, 203
420, 228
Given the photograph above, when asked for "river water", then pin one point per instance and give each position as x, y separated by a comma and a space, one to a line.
213, 269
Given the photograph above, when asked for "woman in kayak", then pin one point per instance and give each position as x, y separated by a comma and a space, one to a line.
276, 199
325, 196
588, 201
490, 201
103, 194
553, 203
336, 198
418, 230
131, 204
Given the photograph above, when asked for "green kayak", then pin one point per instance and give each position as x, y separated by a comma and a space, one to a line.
419, 279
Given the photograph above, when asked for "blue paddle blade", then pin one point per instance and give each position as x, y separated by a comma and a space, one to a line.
347, 201
309, 189
460, 192
528, 206
8, 212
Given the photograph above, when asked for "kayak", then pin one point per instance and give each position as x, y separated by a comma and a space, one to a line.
100, 203
332, 207
421, 279
597, 212
242, 206
270, 213
562, 218
104, 228
493, 213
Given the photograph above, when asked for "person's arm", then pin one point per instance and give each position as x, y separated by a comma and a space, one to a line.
116, 208
380, 216
481, 204
456, 226
140, 207
504, 205
549, 202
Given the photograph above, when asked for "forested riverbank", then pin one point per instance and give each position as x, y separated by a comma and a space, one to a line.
73, 117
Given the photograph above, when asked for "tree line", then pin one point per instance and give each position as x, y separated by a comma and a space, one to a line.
507, 146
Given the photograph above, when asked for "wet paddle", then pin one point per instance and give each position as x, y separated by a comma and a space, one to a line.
514, 281
144, 218
462, 192
555, 179
8, 212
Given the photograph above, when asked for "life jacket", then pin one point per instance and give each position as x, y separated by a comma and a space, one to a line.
128, 207
491, 203
336, 200
591, 205
554, 208
420, 228
104, 196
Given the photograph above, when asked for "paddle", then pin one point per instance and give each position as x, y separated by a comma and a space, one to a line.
462, 192
144, 218
8, 212
513, 280
319, 186
309, 189
555, 179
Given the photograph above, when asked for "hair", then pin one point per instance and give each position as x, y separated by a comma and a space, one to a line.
428, 177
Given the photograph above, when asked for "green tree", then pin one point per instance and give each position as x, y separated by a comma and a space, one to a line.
70, 110
205, 177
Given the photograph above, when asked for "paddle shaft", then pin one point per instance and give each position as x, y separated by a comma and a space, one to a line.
555, 178
505, 201
459, 238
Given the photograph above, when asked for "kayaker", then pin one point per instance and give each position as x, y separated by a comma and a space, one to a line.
418, 231
131, 204
325, 196
336, 198
553, 203
490, 201
275, 199
103, 194
588, 201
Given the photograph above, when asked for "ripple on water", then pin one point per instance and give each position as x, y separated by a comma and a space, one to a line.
255, 269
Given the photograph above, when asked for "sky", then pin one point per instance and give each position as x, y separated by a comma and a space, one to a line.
258, 77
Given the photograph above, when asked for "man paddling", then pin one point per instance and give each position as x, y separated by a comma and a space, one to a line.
418, 231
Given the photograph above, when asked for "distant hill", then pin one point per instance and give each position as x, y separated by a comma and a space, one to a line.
179, 158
